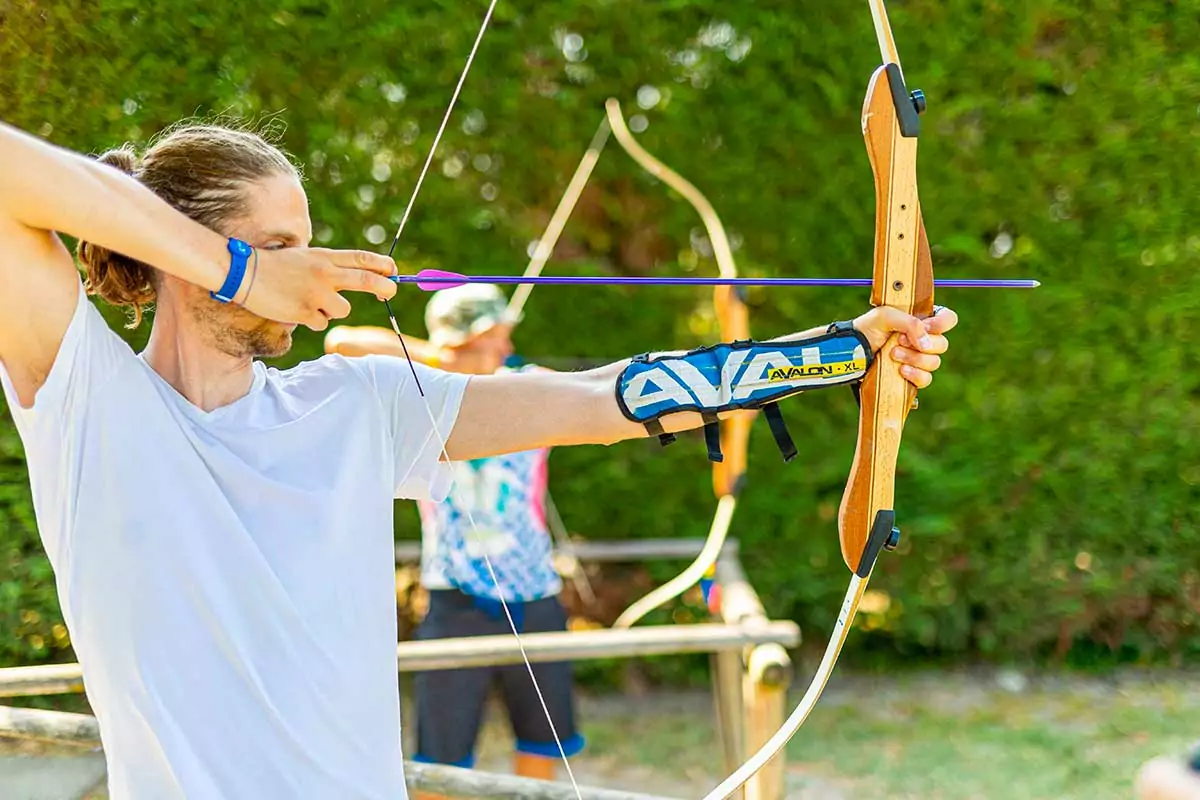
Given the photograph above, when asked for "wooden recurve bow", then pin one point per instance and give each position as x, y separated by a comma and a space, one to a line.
903, 279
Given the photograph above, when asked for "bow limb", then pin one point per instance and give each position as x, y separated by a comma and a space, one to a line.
514, 310
903, 279
722, 252
734, 321
558, 220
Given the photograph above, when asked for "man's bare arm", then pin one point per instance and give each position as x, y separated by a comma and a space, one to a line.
511, 412
508, 413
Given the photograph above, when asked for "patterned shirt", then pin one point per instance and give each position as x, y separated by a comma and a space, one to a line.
505, 496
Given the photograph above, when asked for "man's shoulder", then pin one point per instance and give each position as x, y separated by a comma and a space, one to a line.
329, 371
386, 376
329, 364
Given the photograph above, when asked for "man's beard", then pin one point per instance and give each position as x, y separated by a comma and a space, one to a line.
265, 340
242, 334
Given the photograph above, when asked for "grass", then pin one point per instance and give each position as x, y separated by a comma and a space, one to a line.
931, 736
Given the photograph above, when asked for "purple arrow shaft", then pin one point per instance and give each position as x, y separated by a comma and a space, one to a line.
582, 280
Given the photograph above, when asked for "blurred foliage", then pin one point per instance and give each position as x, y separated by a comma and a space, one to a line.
1047, 487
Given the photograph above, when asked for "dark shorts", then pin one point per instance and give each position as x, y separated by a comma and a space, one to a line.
450, 703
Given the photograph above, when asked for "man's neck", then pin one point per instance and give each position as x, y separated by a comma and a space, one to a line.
204, 375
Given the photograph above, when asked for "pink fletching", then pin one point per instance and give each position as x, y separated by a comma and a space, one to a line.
445, 280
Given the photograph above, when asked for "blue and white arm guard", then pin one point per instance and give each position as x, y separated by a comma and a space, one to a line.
740, 375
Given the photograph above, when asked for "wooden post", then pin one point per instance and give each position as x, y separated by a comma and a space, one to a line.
764, 689
764, 682
727, 700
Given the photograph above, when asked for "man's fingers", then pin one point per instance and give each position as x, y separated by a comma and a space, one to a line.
336, 307
923, 361
917, 377
942, 321
915, 330
357, 280
361, 260
908, 326
377, 285
317, 322
920, 343
930, 343
383, 288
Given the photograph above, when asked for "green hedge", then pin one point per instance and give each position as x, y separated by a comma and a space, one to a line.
1048, 484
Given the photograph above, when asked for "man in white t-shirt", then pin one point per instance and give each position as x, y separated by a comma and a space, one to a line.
220, 531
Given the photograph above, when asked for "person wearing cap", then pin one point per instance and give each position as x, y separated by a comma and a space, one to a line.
504, 496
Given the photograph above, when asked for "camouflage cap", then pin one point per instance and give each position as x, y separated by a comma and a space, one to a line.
453, 316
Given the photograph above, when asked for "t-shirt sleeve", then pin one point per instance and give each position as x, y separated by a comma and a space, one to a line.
419, 425
53, 429
90, 355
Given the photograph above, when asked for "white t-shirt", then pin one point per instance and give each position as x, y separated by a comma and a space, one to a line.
228, 576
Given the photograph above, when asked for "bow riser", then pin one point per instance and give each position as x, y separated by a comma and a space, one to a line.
903, 279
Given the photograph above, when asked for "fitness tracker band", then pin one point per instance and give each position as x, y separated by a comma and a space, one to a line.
239, 254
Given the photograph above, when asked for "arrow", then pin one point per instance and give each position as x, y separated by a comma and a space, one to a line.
432, 280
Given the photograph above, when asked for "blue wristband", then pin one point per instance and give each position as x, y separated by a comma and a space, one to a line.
239, 254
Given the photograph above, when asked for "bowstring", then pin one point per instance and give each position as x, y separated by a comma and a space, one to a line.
441, 440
